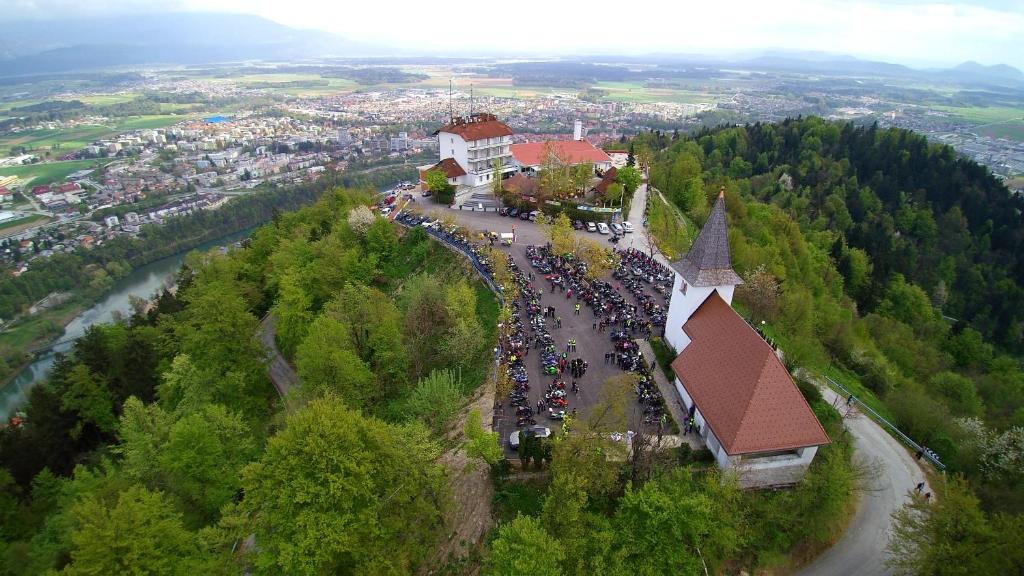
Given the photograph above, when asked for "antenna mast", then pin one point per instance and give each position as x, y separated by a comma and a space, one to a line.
470, 100
451, 111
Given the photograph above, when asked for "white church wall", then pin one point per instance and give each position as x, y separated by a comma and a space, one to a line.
684, 304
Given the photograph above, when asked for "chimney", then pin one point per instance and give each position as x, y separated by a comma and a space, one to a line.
577, 130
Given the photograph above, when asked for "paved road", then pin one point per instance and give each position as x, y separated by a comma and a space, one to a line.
281, 373
891, 474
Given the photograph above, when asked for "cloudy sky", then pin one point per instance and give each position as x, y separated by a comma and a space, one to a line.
915, 32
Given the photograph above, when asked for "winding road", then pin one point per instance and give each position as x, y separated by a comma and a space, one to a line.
890, 471
889, 474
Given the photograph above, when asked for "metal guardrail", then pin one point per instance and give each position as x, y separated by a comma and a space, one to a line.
459, 247
892, 427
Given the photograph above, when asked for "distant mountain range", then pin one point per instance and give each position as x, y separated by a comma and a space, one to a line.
55, 46
38, 47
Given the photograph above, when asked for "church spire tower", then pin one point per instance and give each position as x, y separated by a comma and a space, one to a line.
706, 268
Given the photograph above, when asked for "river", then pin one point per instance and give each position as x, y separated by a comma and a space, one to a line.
144, 282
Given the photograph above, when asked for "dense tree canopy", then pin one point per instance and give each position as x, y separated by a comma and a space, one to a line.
336, 491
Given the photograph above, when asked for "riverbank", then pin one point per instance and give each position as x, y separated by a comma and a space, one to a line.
34, 332
74, 317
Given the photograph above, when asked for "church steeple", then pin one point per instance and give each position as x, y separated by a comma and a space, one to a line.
709, 262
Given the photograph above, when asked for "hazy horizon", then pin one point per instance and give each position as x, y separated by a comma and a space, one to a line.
912, 32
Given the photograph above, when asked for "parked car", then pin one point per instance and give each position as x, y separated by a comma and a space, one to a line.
533, 215
602, 228
577, 225
513, 212
627, 227
591, 227
615, 228
538, 431
524, 215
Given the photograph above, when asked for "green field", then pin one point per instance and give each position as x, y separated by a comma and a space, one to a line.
984, 115
639, 93
20, 221
1010, 130
47, 173
144, 122
77, 137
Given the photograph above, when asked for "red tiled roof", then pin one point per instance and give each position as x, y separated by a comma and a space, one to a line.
571, 151
606, 180
450, 167
479, 127
739, 385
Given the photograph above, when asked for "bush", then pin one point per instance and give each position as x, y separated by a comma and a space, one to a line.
684, 454
811, 392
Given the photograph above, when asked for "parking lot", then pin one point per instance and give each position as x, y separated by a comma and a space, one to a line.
591, 345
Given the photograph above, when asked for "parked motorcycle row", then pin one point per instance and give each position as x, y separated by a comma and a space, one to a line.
637, 270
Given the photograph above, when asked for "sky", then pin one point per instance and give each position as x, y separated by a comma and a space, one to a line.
913, 32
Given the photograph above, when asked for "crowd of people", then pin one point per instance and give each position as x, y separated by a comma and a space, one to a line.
565, 276
529, 327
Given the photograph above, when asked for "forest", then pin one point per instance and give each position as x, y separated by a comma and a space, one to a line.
136, 452
159, 445
887, 263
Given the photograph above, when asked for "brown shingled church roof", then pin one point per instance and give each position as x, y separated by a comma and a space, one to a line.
709, 263
745, 394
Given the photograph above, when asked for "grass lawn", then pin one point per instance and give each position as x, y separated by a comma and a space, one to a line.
20, 222
850, 382
673, 233
47, 173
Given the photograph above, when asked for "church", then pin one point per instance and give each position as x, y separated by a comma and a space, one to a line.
748, 410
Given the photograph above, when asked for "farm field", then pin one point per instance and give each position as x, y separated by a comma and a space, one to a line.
47, 173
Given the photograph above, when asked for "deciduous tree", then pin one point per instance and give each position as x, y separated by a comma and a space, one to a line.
524, 547
337, 491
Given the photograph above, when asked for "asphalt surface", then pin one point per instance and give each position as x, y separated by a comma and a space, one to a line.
591, 345
281, 373
891, 474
